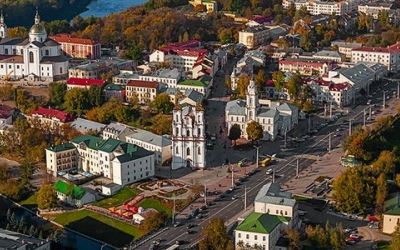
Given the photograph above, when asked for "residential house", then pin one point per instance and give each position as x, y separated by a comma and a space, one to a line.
306, 67
346, 48
51, 118
201, 85
72, 194
146, 92
254, 36
78, 47
210, 5
95, 69
115, 91
324, 7
61, 158
388, 56
391, 215
85, 126
84, 83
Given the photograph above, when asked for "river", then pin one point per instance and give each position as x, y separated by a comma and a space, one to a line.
101, 8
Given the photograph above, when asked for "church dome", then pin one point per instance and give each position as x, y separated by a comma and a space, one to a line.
37, 32
38, 29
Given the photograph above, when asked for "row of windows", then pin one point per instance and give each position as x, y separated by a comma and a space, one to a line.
255, 237
188, 151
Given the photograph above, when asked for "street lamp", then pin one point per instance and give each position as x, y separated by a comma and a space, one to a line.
257, 148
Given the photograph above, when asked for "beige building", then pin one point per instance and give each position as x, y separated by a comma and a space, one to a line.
61, 158
211, 6
388, 56
145, 91
252, 37
305, 66
345, 48
391, 217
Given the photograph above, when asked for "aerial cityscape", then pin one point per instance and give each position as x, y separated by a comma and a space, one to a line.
201, 124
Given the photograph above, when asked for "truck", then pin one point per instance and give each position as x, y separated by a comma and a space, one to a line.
265, 162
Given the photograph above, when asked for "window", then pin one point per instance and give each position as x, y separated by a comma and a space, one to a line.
247, 236
188, 132
255, 237
239, 235
6, 51
188, 151
199, 151
264, 238
177, 150
47, 52
198, 132
31, 57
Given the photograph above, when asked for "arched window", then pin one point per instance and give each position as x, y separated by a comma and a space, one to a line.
176, 150
199, 151
188, 132
188, 151
61, 71
198, 132
31, 57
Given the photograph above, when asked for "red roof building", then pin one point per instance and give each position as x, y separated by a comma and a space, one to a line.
74, 82
78, 47
52, 114
305, 66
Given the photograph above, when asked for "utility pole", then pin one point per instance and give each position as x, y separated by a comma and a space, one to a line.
330, 110
330, 142
273, 175
232, 176
309, 124
245, 197
297, 168
285, 145
370, 112
205, 193
256, 147
349, 127
364, 117
325, 110
173, 210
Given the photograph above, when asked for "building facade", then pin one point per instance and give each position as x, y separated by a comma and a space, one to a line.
388, 56
146, 92
49, 118
339, 8
254, 36
84, 83
188, 137
305, 66
78, 47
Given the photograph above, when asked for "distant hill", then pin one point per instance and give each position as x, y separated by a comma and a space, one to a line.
21, 12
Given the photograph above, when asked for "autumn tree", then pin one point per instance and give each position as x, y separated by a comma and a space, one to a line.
76, 101
56, 94
294, 238
381, 193
234, 133
278, 77
385, 163
355, 144
154, 221
317, 235
46, 197
214, 236
242, 84
162, 104
395, 242
294, 85
254, 131
7, 92
228, 82
161, 124
260, 80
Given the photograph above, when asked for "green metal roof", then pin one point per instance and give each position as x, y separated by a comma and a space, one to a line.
392, 206
109, 145
204, 81
261, 223
90, 141
114, 87
69, 189
61, 147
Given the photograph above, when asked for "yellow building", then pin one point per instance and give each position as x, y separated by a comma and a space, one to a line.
391, 216
210, 5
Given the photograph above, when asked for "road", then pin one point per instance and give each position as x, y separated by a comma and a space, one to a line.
285, 168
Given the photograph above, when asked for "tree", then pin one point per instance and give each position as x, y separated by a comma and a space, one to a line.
381, 193
134, 100
294, 85
260, 80
154, 221
46, 197
317, 235
337, 237
254, 131
162, 103
278, 77
56, 94
7, 92
234, 133
161, 124
395, 242
385, 163
95, 95
77, 101
242, 84
353, 190
383, 18
305, 40
134, 52
228, 82
17, 32
215, 237
355, 144
294, 238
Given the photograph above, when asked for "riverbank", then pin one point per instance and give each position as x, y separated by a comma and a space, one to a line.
101, 8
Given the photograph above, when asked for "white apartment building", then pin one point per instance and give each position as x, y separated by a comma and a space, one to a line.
161, 145
346, 48
339, 94
373, 8
188, 137
388, 56
306, 66
61, 158
324, 7
122, 162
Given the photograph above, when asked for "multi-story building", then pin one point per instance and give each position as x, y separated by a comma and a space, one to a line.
78, 47
168, 77
271, 116
339, 94
119, 161
346, 48
188, 137
84, 83
274, 210
305, 66
160, 145
145, 91
328, 55
388, 56
391, 216
37, 58
245, 66
374, 8
50, 118
254, 36
95, 69
61, 158
210, 5
324, 7
201, 85
115, 91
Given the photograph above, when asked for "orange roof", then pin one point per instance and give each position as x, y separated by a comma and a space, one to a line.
143, 84
67, 38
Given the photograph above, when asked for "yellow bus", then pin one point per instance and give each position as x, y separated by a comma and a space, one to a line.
265, 162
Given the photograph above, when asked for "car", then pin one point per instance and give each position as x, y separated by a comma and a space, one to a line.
349, 229
189, 226
210, 145
190, 231
213, 137
179, 242
234, 197
269, 171
314, 131
356, 236
369, 102
177, 224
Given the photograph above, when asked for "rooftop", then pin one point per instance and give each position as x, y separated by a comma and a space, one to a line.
271, 193
14, 240
261, 223
67, 38
85, 82
61, 147
143, 84
53, 113
392, 206
203, 81
114, 87
69, 189
85, 126
255, 29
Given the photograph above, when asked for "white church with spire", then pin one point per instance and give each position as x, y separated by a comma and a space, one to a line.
274, 117
34, 59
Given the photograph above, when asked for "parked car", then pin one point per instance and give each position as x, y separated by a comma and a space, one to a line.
177, 224
269, 171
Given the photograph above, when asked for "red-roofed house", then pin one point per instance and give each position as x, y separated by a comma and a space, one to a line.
340, 94
86, 83
6, 114
144, 90
388, 56
179, 55
78, 47
304, 66
50, 117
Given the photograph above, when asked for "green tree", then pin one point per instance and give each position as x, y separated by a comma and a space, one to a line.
294, 85
95, 95
77, 101
214, 236
381, 193
135, 52
337, 237
395, 242
46, 197
161, 124
254, 131
56, 94
234, 133
278, 77
383, 18
317, 236
162, 103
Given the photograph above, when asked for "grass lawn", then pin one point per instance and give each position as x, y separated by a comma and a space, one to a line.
30, 201
156, 204
99, 226
125, 194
